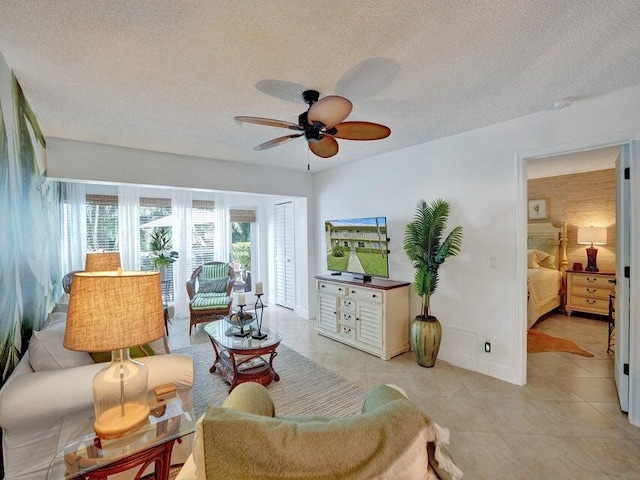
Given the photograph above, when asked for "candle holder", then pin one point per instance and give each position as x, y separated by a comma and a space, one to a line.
259, 309
240, 319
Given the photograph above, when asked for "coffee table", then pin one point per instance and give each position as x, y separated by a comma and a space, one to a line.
82, 455
243, 359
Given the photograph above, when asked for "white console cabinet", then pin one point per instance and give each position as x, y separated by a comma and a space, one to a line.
372, 316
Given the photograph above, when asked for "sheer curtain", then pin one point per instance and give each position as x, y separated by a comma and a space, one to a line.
129, 226
221, 232
181, 201
74, 222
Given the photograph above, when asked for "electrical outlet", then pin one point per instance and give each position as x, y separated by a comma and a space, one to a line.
487, 346
492, 262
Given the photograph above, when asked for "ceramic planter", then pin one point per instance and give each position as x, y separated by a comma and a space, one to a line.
426, 333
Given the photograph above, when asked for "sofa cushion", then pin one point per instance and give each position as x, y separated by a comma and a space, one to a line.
46, 351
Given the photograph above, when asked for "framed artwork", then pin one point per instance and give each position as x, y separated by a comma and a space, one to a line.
538, 209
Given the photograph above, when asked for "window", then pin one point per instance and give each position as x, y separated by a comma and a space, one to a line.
102, 223
241, 239
155, 215
360, 244
202, 232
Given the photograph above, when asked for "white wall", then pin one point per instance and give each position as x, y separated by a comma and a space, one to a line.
73, 160
482, 175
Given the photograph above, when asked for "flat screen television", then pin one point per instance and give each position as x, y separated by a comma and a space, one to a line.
358, 246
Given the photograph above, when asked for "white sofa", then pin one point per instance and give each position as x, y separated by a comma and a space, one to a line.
51, 382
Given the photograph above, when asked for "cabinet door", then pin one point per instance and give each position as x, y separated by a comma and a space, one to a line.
328, 313
369, 324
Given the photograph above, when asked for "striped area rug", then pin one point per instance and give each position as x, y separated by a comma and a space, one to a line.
305, 388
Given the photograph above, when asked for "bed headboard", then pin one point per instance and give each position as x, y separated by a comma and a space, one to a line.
541, 235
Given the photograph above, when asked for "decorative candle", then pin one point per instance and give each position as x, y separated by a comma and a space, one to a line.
241, 299
258, 288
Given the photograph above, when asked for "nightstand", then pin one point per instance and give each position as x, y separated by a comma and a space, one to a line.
588, 292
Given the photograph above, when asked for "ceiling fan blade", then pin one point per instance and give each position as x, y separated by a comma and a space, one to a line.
330, 110
362, 131
326, 147
277, 141
270, 122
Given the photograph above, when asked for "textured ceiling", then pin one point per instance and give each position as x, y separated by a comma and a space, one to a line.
170, 76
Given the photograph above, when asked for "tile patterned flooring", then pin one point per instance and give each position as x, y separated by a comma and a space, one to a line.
564, 424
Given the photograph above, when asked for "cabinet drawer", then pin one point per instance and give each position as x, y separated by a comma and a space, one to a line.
347, 331
592, 280
591, 291
366, 294
348, 304
593, 304
348, 318
332, 288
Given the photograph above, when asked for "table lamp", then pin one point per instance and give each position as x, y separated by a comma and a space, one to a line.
115, 310
592, 236
102, 261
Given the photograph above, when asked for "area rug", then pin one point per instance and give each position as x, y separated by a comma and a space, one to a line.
305, 388
538, 342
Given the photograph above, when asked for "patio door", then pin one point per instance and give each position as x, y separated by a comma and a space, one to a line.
284, 255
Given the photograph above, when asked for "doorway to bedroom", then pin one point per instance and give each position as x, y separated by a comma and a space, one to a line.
573, 192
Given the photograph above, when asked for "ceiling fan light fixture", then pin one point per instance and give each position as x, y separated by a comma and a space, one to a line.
330, 110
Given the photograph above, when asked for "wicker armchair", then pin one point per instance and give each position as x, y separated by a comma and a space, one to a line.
202, 309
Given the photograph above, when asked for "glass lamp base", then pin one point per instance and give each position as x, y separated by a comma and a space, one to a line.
120, 396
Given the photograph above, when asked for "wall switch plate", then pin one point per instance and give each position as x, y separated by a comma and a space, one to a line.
492, 262
487, 346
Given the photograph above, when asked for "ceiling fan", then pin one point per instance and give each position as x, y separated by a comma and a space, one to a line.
321, 124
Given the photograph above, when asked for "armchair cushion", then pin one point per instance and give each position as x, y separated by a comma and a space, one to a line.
215, 271
388, 440
213, 285
208, 301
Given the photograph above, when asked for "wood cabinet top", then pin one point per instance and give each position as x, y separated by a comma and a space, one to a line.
378, 283
585, 272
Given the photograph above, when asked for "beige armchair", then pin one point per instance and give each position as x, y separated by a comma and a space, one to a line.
390, 439
209, 290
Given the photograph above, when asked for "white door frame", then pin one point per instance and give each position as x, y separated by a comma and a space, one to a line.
520, 325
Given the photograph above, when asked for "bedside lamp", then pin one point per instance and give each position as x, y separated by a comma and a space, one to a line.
102, 262
592, 236
115, 310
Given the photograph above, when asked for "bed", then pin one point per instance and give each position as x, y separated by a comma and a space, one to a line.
546, 267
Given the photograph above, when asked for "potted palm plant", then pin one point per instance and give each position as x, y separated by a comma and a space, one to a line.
161, 255
425, 247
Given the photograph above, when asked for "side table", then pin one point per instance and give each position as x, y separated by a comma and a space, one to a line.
82, 455
243, 359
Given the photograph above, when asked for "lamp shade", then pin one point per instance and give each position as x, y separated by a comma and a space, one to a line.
592, 235
111, 310
102, 261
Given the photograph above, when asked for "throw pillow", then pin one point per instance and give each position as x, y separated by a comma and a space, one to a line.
212, 285
534, 257
46, 351
134, 352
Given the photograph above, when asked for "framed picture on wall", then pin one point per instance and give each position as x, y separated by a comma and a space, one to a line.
538, 209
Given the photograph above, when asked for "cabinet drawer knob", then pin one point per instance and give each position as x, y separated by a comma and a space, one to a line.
374, 296
340, 289
353, 292
591, 280
590, 301
591, 290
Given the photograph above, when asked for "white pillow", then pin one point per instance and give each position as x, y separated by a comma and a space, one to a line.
46, 351
534, 257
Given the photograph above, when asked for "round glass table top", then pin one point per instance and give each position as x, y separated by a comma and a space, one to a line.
227, 335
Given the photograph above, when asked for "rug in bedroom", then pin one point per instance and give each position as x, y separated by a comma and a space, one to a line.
305, 388
538, 342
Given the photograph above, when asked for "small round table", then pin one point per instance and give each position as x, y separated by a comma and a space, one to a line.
243, 359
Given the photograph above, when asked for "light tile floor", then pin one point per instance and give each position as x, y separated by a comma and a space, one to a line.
564, 424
